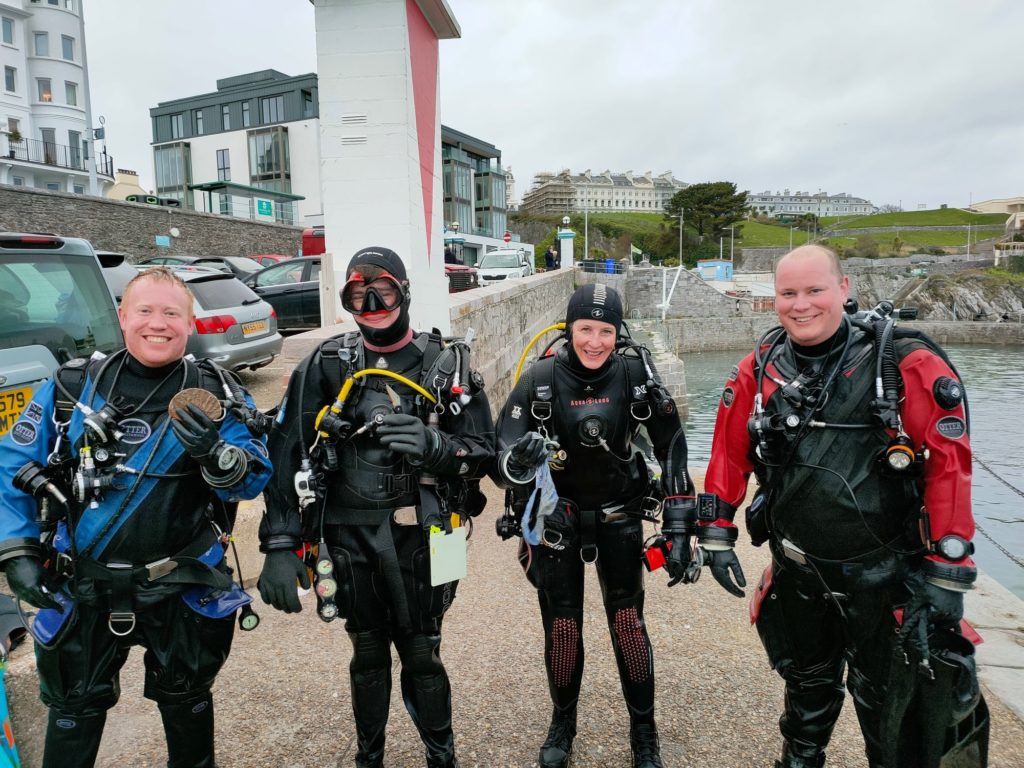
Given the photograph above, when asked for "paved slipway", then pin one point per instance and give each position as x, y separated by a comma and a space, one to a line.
283, 698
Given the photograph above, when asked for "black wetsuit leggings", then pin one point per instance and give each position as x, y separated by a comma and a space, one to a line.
559, 578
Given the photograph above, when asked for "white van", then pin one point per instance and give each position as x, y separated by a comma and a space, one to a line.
504, 264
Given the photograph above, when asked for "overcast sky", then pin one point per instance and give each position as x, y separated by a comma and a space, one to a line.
912, 102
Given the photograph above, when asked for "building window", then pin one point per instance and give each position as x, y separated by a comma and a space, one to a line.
69, 4
18, 181
307, 104
272, 109
223, 165
43, 89
173, 165
53, 2
42, 43
225, 117
8, 25
246, 119
177, 126
199, 122
75, 149
67, 45
10, 80
53, 186
269, 163
71, 93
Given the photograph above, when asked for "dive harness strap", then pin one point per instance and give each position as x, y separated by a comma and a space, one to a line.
187, 567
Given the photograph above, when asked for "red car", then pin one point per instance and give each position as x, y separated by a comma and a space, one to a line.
460, 277
269, 259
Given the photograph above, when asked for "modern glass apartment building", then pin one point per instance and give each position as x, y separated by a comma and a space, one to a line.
248, 149
252, 149
475, 193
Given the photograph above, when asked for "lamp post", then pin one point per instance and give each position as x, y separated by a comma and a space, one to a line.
682, 220
791, 238
732, 243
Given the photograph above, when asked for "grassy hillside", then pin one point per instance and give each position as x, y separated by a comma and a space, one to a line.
656, 236
942, 217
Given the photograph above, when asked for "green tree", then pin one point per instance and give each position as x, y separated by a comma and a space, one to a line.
709, 208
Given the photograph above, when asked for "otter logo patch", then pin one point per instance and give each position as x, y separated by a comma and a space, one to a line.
951, 427
24, 433
135, 431
728, 396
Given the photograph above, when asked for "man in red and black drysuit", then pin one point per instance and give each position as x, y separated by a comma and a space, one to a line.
864, 499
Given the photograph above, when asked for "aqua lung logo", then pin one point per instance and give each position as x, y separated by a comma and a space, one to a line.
135, 431
952, 427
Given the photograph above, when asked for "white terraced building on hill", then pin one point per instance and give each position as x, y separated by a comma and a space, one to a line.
792, 204
566, 192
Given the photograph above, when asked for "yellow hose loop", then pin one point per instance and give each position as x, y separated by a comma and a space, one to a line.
347, 386
522, 359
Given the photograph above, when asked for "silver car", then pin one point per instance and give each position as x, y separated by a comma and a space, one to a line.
233, 326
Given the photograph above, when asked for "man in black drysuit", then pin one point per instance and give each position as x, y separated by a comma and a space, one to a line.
144, 562
371, 472
592, 404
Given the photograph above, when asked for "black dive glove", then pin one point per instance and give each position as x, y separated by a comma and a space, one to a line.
677, 562
199, 434
223, 465
722, 562
406, 434
283, 572
519, 462
25, 575
528, 452
930, 608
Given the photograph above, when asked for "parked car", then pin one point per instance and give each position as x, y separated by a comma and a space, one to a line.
117, 271
233, 326
270, 259
460, 277
239, 266
54, 305
503, 264
293, 289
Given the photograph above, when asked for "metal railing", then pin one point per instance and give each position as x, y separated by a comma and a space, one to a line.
57, 155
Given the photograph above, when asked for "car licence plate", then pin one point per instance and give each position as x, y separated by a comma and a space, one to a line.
12, 403
256, 326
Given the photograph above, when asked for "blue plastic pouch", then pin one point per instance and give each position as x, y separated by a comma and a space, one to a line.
49, 624
215, 603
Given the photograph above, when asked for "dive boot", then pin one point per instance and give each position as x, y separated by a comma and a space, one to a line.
556, 752
793, 756
643, 740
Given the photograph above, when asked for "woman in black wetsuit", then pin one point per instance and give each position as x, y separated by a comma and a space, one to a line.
579, 410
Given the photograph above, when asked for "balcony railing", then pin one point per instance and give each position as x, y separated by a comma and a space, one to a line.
57, 155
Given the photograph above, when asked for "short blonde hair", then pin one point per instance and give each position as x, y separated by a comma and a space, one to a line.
159, 275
